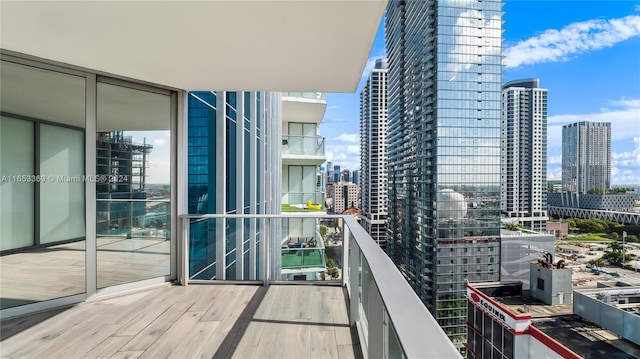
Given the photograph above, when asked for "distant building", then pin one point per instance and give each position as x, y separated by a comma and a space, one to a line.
346, 175
609, 202
355, 177
502, 323
345, 195
124, 163
554, 185
523, 185
586, 157
373, 153
329, 172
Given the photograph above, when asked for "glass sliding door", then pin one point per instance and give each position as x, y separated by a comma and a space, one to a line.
42, 203
133, 183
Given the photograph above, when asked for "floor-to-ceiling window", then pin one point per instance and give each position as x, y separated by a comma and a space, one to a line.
133, 186
42, 202
54, 191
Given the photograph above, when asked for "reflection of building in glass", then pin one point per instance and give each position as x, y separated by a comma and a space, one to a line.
373, 153
518, 249
444, 149
524, 153
586, 157
229, 151
120, 175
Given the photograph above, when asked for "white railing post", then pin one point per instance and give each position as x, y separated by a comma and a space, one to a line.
266, 239
354, 276
346, 240
184, 255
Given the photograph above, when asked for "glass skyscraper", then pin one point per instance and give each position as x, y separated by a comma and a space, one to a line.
444, 149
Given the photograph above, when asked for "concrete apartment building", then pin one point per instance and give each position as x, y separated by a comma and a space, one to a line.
373, 153
523, 161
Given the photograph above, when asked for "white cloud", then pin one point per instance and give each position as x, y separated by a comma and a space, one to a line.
334, 107
554, 172
348, 137
554, 160
345, 156
159, 171
159, 142
628, 158
558, 45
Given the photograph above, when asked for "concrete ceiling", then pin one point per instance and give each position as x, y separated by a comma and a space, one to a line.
319, 45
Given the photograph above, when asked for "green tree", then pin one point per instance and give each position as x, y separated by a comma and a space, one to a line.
632, 238
333, 272
598, 262
323, 231
615, 256
512, 226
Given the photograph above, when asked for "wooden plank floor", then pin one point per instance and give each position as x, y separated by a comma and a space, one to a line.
59, 271
198, 321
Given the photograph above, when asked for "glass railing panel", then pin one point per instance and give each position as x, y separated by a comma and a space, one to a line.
311, 249
202, 248
303, 201
303, 145
392, 344
133, 240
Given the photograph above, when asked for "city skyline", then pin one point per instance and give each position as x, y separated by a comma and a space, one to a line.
600, 35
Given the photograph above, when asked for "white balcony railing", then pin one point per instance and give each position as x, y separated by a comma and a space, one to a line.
391, 320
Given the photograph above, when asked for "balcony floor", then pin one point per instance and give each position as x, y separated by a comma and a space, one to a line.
197, 321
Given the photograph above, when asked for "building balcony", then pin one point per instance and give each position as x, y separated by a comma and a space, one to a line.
303, 107
304, 95
300, 147
298, 201
367, 310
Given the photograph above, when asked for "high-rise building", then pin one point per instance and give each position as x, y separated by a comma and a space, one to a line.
443, 148
346, 175
355, 177
337, 173
586, 157
329, 172
523, 185
373, 153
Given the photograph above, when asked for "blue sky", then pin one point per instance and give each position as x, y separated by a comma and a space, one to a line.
586, 53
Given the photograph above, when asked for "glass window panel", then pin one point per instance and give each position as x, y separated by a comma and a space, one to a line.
133, 165
61, 200
56, 98
16, 195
